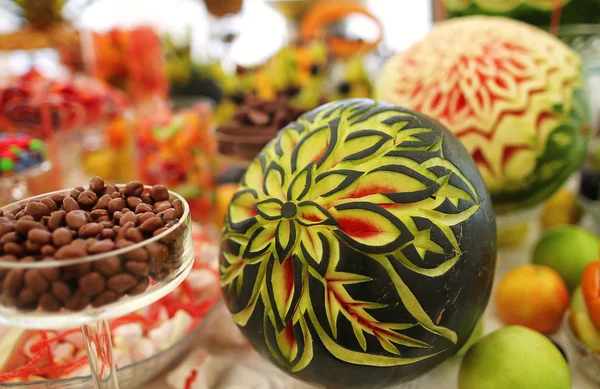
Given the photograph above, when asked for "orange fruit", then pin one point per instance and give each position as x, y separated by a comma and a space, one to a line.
533, 296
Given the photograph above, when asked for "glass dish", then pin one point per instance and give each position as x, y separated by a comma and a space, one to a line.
24, 184
131, 376
170, 255
587, 360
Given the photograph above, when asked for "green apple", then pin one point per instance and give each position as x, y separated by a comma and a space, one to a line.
568, 250
475, 336
582, 324
514, 357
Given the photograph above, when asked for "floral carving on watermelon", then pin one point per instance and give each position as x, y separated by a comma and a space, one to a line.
359, 174
504, 6
510, 92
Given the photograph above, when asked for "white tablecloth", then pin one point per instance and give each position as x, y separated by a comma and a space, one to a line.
225, 367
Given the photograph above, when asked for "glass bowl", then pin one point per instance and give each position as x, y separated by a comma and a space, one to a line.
170, 256
134, 375
585, 358
16, 187
131, 376
121, 281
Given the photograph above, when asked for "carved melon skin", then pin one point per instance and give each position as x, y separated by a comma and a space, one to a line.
573, 11
522, 114
451, 301
544, 182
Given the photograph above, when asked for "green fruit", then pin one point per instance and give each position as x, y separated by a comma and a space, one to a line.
514, 358
475, 336
359, 250
582, 324
568, 250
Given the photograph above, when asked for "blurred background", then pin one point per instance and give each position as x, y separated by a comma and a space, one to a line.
404, 22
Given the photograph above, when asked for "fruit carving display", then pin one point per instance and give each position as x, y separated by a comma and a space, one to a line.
543, 13
359, 250
501, 6
513, 95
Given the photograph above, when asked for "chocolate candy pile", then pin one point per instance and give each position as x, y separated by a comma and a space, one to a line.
220, 8
254, 125
89, 221
20, 152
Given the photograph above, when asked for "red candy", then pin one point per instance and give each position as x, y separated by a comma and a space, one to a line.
33, 102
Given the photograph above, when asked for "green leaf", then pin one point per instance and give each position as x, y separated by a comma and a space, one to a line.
285, 238
301, 184
269, 209
388, 346
412, 304
331, 182
261, 240
241, 318
360, 358
317, 146
360, 336
307, 353
332, 310
368, 227
254, 176
365, 144
452, 192
312, 214
423, 243
286, 141
310, 240
274, 181
284, 288
241, 213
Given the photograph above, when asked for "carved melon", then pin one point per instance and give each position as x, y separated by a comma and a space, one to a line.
513, 95
541, 13
359, 251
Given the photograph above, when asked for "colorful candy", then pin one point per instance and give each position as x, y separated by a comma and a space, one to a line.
132, 60
41, 105
178, 149
19, 153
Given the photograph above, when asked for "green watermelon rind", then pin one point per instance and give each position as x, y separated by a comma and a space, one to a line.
545, 181
575, 12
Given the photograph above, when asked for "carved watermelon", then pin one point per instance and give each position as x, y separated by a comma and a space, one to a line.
541, 13
510, 92
359, 251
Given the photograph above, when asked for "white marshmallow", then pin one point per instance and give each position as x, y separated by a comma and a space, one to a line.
143, 349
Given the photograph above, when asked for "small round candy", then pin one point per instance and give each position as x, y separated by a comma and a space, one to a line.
6, 165
20, 166
36, 144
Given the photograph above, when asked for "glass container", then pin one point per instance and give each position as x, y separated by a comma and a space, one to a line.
170, 256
